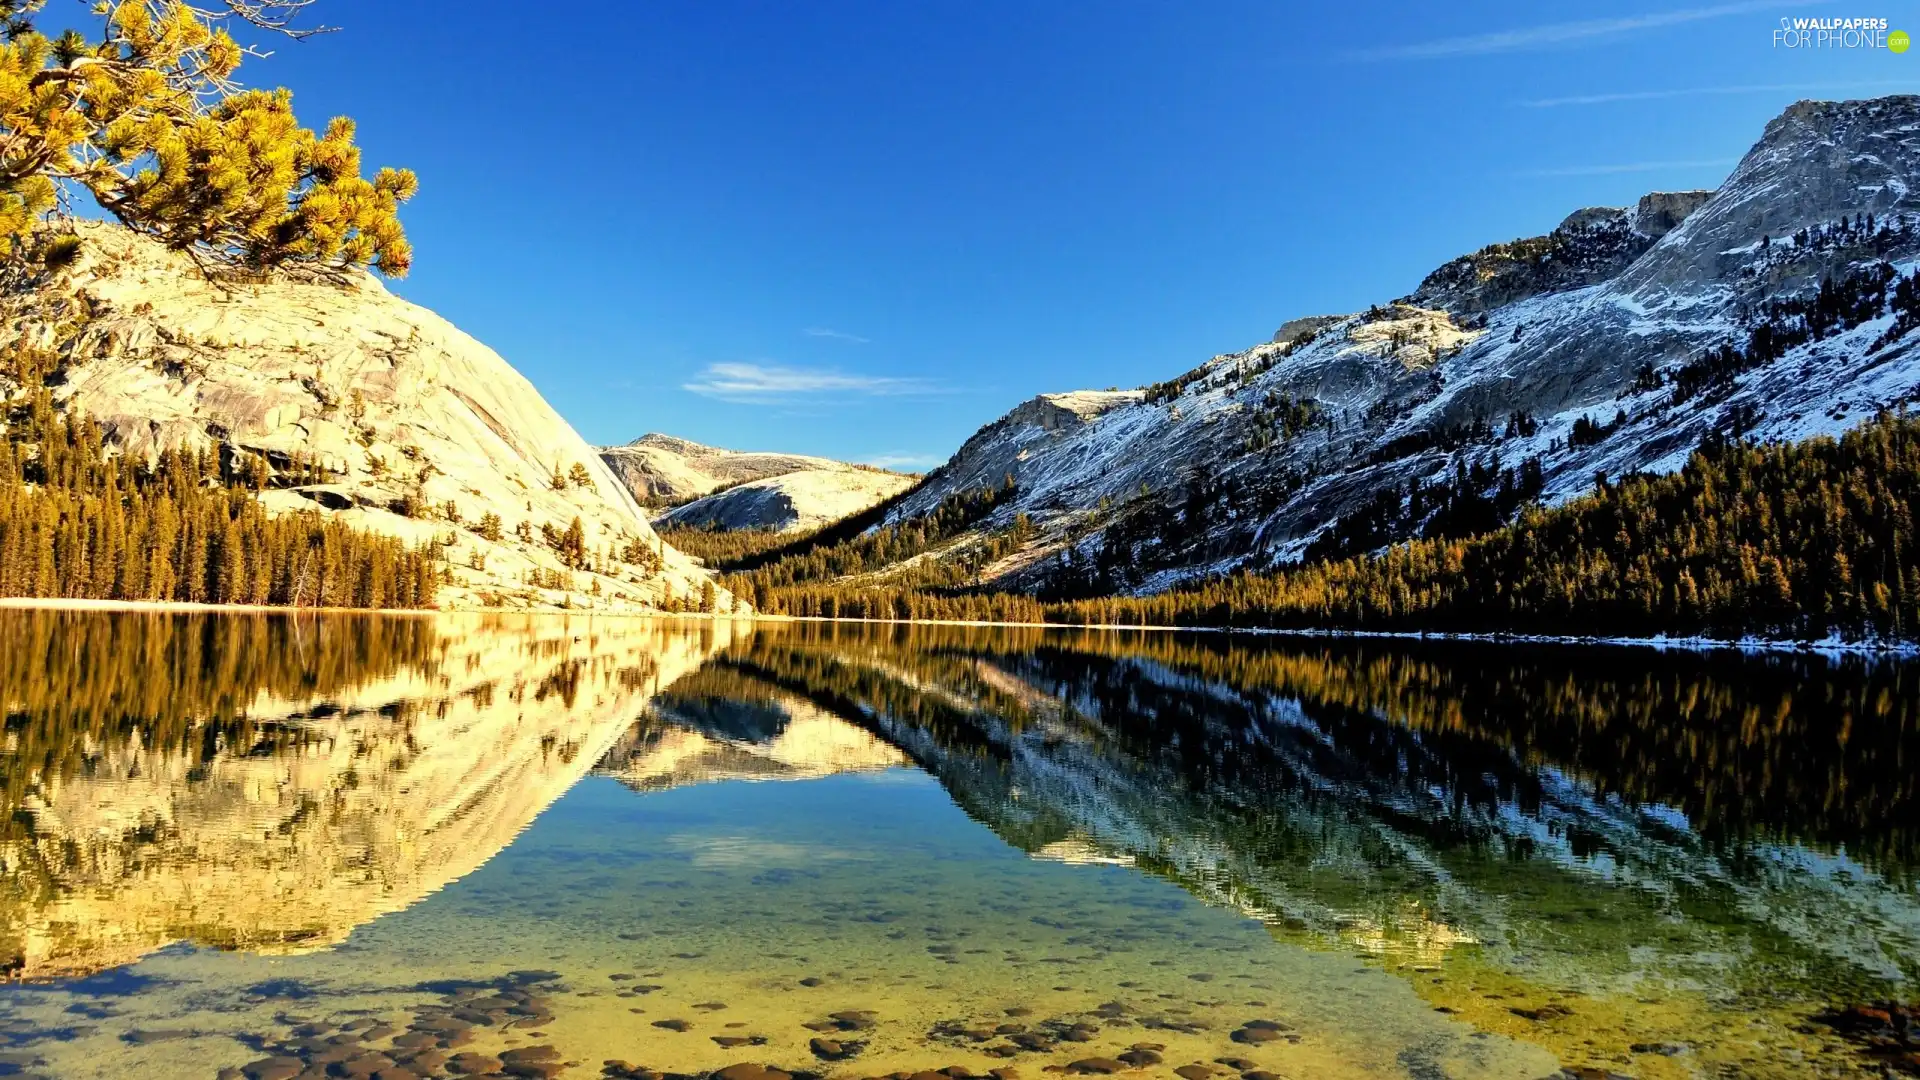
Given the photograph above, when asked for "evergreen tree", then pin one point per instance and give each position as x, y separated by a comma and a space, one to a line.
146, 119
77, 521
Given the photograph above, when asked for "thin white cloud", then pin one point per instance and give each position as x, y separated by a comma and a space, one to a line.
1706, 91
1630, 167
1550, 34
837, 335
908, 462
765, 384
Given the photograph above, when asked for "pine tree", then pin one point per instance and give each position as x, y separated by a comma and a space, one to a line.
146, 119
77, 521
571, 545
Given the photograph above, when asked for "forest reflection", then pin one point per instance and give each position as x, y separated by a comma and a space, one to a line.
1487, 820
1786, 747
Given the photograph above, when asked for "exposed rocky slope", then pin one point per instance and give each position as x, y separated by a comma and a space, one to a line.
661, 470
1616, 343
366, 407
730, 489
1589, 247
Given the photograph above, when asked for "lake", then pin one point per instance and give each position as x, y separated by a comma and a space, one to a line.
277, 847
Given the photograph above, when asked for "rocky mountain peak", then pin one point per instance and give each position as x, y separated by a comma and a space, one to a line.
673, 444
1817, 161
665, 470
1590, 217
1590, 245
1294, 331
711, 487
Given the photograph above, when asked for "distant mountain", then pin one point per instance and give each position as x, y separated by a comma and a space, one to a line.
791, 502
708, 487
1780, 306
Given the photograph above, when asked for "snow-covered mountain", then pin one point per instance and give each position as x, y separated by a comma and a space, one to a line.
1779, 306
709, 487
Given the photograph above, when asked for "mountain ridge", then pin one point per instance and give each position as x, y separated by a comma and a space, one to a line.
1599, 348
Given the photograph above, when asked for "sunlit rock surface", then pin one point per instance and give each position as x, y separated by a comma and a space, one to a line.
391, 402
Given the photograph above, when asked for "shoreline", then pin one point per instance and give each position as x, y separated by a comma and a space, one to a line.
1662, 642
1828, 646
71, 603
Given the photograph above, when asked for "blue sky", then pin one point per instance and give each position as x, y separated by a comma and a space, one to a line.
864, 230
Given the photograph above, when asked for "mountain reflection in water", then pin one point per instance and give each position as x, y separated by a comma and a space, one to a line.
1654, 864
269, 783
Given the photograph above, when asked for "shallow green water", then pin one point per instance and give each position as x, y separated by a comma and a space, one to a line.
859, 851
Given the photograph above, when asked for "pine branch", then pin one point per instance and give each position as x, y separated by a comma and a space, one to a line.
277, 16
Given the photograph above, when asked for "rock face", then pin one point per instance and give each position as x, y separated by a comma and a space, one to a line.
404, 415
1657, 213
1493, 359
1294, 330
1590, 246
1031, 430
730, 489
